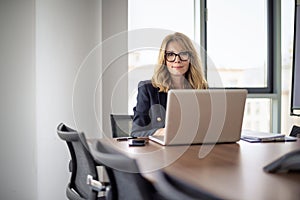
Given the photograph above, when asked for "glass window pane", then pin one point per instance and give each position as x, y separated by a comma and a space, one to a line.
237, 42
176, 15
287, 29
173, 15
257, 114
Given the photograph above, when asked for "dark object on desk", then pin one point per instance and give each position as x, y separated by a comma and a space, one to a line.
295, 131
127, 183
289, 162
120, 139
81, 165
176, 189
121, 125
136, 142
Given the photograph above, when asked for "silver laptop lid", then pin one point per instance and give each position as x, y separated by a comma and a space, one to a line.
204, 116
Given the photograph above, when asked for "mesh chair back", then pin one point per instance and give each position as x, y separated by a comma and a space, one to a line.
129, 183
121, 125
81, 164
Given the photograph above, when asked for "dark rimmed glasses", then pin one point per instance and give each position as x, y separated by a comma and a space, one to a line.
171, 56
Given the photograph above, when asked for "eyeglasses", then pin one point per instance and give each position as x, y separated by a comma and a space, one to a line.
171, 56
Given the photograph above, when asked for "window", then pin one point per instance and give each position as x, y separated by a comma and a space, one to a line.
239, 36
237, 43
287, 28
240, 44
171, 15
257, 110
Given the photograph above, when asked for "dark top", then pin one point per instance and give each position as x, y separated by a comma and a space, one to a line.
150, 110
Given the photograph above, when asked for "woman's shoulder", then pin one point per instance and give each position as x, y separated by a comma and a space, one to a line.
146, 84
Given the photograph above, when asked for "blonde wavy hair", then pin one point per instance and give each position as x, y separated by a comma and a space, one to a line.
194, 76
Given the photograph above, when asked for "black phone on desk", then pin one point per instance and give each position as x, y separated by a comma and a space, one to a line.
136, 142
289, 162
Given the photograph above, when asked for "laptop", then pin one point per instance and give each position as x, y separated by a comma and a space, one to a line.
203, 117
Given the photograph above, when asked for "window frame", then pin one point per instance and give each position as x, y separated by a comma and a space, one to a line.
271, 35
273, 89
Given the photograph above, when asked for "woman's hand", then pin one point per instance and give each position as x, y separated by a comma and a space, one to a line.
160, 131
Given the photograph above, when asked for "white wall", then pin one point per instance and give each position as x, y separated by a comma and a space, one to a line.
51, 72
17, 105
66, 33
43, 43
115, 60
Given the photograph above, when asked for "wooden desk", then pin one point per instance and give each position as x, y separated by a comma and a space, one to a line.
230, 171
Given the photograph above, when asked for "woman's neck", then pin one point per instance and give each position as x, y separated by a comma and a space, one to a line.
178, 82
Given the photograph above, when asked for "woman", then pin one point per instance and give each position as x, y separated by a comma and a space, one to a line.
179, 67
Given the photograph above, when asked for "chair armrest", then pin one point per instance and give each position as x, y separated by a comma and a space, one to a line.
97, 185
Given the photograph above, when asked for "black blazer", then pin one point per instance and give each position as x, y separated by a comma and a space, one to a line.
150, 110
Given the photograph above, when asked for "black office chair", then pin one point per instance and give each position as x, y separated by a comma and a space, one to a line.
81, 166
295, 132
121, 125
126, 181
173, 188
